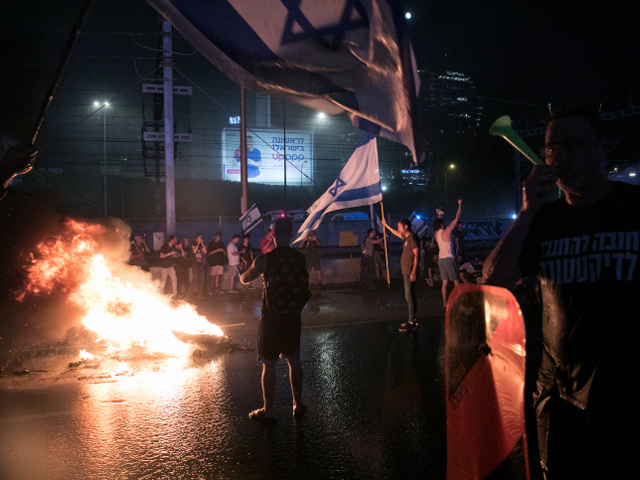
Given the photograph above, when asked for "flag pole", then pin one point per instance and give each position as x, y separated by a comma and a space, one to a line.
69, 47
386, 255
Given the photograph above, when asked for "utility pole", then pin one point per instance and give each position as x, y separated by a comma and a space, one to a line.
104, 152
163, 91
284, 143
518, 182
244, 169
169, 180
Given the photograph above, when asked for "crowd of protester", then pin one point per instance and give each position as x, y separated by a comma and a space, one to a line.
194, 269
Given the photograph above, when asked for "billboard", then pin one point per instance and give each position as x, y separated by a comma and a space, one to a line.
266, 154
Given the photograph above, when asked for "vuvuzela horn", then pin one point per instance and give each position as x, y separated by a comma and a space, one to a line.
502, 128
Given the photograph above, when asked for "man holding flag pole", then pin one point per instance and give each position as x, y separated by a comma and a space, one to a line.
409, 263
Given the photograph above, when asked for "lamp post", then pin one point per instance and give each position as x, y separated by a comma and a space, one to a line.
104, 107
446, 198
319, 117
301, 168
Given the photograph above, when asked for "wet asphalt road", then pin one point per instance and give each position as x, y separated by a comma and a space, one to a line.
375, 396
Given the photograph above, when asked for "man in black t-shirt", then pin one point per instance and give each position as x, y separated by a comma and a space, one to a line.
582, 251
217, 259
285, 293
168, 260
139, 253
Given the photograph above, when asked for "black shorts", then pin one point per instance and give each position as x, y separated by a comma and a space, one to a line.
313, 263
278, 337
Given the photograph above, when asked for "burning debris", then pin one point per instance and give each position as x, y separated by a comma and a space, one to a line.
121, 305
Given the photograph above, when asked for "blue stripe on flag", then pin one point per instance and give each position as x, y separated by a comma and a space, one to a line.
253, 214
347, 196
229, 32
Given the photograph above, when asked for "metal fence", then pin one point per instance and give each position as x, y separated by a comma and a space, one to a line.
481, 236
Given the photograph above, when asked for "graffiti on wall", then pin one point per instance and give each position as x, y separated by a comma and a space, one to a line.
485, 229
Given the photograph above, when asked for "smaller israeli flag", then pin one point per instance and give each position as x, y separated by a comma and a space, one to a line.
418, 225
250, 219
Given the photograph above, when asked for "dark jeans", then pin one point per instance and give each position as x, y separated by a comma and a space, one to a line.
182, 272
369, 271
197, 284
410, 296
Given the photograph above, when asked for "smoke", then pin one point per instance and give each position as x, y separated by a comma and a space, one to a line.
62, 262
86, 265
50, 266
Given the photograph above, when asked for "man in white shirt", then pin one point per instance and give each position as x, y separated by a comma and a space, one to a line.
446, 252
234, 261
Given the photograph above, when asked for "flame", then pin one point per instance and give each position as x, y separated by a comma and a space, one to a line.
84, 355
122, 304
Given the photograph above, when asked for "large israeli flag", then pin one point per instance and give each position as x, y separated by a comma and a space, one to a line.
335, 56
358, 184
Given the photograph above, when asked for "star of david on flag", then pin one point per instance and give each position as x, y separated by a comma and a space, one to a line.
250, 219
358, 184
335, 56
333, 191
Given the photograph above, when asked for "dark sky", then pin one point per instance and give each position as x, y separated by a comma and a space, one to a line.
531, 52
536, 51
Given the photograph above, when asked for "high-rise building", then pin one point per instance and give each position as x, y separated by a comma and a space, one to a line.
450, 100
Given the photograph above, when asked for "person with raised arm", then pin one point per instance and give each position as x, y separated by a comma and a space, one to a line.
447, 260
409, 264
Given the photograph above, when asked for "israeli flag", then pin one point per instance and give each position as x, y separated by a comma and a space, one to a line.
335, 56
250, 219
357, 185
418, 226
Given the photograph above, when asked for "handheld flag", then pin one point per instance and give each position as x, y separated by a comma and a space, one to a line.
418, 225
349, 56
250, 219
357, 185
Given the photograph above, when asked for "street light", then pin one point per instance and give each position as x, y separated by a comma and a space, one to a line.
322, 120
446, 198
104, 107
301, 167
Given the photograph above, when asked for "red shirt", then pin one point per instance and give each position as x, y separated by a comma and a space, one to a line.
267, 245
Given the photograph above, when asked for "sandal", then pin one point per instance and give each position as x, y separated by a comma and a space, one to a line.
259, 416
300, 411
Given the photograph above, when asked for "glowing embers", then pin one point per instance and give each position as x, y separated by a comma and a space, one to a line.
121, 303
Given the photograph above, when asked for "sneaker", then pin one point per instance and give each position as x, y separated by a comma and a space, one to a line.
260, 417
300, 412
408, 327
233, 290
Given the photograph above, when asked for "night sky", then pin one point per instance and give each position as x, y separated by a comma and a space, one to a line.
532, 52
521, 56
537, 51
